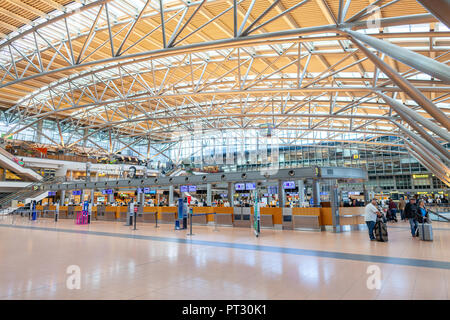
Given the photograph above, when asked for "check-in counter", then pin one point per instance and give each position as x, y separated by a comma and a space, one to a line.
149, 214
351, 216
242, 217
288, 222
168, 214
100, 212
306, 218
202, 218
270, 217
110, 213
223, 216
63, 212
39, 210
122, 213
49, 211
70, 211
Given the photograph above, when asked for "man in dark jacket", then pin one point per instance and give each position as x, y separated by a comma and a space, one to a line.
411, 214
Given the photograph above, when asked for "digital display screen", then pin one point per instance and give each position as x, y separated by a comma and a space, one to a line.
184, 189
272, 189
52, 193
76, 193
289, 185
107, 191
139, 190
151, 192
353, 193
192, 188
250, 186
239, 186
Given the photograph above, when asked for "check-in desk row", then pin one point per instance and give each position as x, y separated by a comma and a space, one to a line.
240, 217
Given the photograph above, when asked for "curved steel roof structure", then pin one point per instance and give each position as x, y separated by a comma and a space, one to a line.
152, 68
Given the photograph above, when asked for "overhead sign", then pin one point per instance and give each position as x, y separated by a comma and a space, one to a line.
239, 186
192, 188
107, 191
250, 186
420, 176
289, 185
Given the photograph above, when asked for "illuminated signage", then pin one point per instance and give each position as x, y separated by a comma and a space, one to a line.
52, 193
76, 193
420, 176
289, 185
250, 186
184, 189
192, 188
239, 186
107, 191
272, 189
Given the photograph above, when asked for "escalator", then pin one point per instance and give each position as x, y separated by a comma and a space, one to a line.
8, 161
35, 191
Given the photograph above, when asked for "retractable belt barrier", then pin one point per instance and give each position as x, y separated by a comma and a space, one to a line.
190, 215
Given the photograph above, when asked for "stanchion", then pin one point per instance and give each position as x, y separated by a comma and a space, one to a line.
190, 224
135, 220
56, 215
215, 223
156, 220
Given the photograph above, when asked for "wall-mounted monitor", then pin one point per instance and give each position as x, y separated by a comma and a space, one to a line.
239, 186
250, 186
192, 188
76, 193
272, 189
288, 185
184, 188
51, 193
107, 191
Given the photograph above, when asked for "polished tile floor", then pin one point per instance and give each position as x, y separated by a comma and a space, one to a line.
116, 262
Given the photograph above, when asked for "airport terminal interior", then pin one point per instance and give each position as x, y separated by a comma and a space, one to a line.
224, 149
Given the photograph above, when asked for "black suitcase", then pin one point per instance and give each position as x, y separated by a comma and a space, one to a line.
381, 233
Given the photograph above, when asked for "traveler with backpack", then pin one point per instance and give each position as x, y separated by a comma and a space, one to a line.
371, 214
411, 214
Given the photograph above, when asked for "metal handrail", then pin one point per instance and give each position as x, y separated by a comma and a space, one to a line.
440, 216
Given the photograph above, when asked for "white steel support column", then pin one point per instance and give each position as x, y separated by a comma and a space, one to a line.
171, 203
209, 195
316, 193
63, 197
281, 197
230, 194
301, 191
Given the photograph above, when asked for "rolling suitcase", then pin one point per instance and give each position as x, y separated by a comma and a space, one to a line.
381, 233
425, 231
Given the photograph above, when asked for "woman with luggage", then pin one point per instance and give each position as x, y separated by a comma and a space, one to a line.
422, 213
424, 230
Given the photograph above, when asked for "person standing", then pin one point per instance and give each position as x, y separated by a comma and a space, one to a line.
371, 214
392, 210
411, 215
401, 208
